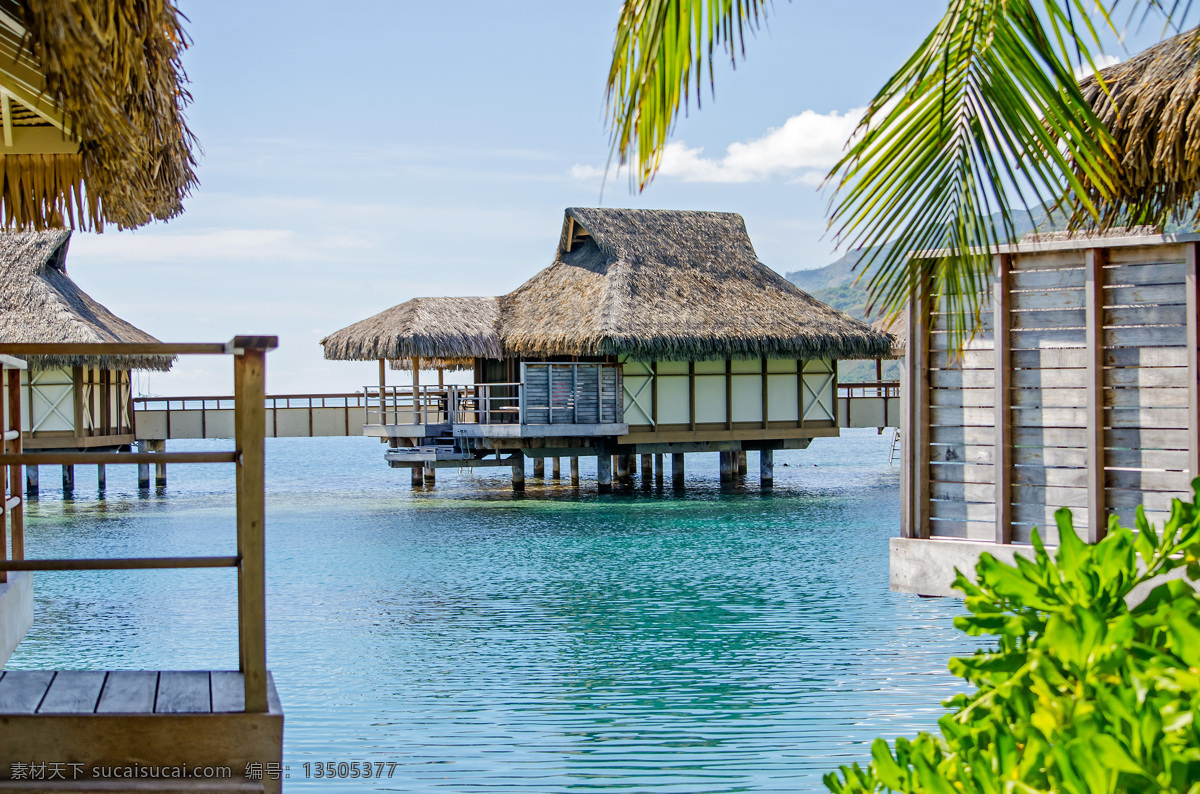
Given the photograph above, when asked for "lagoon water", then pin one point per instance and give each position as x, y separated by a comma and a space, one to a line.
560, 641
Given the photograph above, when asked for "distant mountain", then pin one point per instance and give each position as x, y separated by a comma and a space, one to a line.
834, 283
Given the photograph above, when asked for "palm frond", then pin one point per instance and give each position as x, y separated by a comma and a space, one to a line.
661, 52
983, 121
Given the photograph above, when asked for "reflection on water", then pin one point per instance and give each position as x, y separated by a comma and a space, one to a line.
716, 642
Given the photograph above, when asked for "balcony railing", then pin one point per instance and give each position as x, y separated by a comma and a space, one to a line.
550, 393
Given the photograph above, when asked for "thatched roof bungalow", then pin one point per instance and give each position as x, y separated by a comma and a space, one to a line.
40, 303
649, 327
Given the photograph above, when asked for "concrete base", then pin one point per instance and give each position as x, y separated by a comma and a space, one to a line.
926, 567
16, 611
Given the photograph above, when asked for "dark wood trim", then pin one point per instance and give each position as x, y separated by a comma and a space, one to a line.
766, 402
729, 393
692, 394
654, 393
1002, 450
1094, 318
77, 394
1192, 284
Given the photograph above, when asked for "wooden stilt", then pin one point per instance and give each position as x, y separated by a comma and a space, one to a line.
417, 479
430, 475
518, 472
647, 467
160, 469
766, 468
556, 468
727, 466
677, 470
143, 468
604, 472
539, 468
574, 471
31, 480
68, 472
101, 479
658, 470
742, 466
622, 470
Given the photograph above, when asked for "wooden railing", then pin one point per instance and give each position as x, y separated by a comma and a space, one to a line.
249, 405
887, 389
12, 506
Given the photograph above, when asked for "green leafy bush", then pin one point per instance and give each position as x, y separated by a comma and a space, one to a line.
1080, 694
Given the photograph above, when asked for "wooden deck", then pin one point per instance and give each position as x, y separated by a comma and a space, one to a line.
86, 724
124, 692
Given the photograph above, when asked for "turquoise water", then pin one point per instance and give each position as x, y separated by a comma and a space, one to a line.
560, 641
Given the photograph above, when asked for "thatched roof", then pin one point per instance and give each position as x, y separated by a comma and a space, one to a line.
40, 303
447, 330
96, 96
671, 285
895, 326
1152, 112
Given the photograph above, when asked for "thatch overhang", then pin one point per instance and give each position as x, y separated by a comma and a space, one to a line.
671, 285
896, 327
450, 331
1151, 109
93, 106
40, 303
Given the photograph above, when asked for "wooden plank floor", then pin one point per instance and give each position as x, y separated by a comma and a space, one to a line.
125, 692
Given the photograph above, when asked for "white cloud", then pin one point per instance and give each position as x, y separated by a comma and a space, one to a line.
1102, 60
804, 148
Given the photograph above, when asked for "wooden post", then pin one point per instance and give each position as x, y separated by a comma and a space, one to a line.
604, 472
728, 394
766, 468
727, 466
416, 479
382, 389
556, 468
430, 475
574, 470
914, 475
143, 468
658, 470
250, 427
677, 470
1002, 365
1094, 314
160, 469
101, 478
31, 481
539, 468
1191, 284
692, 395
742, 466
518, 472
622, 470
647, 467
17, 514
68, 472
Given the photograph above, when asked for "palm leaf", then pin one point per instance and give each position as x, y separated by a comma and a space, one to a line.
662, 50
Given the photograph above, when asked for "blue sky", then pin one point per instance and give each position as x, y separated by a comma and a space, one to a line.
359, 154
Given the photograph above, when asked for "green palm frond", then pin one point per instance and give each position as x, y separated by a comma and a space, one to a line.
662, 49
985, 119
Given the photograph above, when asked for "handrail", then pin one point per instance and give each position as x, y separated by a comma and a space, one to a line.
249, 406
